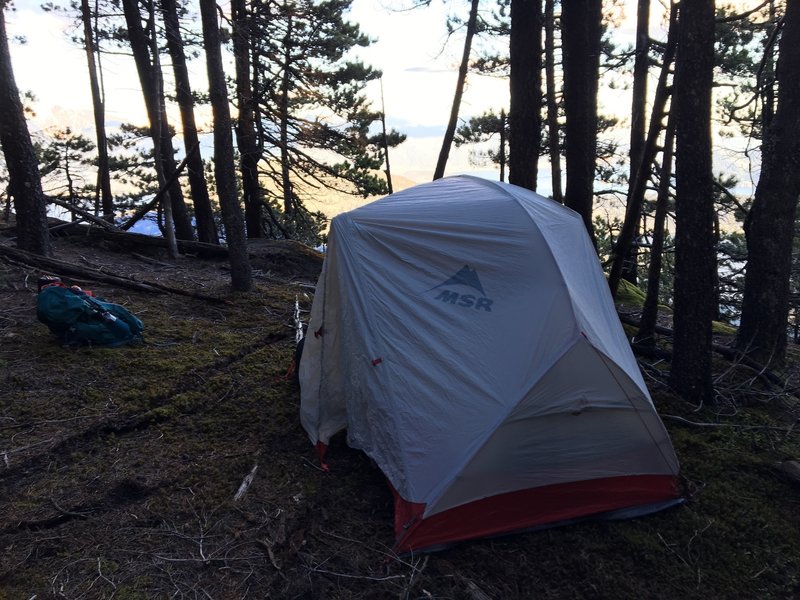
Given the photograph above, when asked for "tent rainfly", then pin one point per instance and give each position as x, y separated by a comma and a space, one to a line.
464, 335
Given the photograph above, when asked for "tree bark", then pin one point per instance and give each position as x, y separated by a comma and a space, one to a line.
502, 153
525, 110
103, 170
638, 186
156, 112
203, 211
695, 256
638, 108
158, 92
25, 184
647, 326
553, 129
224, 169
286, 180
581, 28
249, 154
385, 147
769, 227
639, 94
450, 131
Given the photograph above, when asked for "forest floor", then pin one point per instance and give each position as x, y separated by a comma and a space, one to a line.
122, 470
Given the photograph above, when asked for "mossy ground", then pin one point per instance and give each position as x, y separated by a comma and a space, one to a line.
119, 470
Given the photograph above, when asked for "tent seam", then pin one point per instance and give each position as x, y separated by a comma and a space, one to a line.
639, 413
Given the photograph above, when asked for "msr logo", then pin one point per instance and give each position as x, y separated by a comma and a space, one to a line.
466, 277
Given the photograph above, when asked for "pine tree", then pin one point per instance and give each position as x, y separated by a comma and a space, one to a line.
105, 197
770, 225
695, 258
581, 29
65, 165
452, 122
525, 105
25, 185
483, 130
203, 211
315, 122
224, 170
151, 81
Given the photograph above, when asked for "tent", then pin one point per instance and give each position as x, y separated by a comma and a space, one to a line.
463, 333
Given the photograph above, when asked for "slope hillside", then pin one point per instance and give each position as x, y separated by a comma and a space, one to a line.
177, 468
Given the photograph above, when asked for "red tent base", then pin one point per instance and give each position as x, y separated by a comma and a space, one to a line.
530, 508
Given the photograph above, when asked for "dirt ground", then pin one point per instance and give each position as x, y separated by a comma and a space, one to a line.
178, 468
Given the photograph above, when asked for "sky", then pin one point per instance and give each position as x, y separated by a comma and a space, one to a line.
419, 77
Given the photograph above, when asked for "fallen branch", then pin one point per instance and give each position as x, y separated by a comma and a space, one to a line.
734, 425
78, 211
60, 267
129, 240
146, 208
61, 226
729, 353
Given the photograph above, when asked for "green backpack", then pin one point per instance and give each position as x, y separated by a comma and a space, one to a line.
80, 319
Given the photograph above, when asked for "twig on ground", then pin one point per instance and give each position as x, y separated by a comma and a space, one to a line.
246, 483
349, 576
28, 447
311, 464
787, 430
415, 573
68, 513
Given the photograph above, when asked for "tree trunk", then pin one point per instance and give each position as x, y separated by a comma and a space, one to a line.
638, 186
639, 96
103, 169
71, 193
769, 227
580, 41
648, 322
449, 134
224, 169
163, 190
695, 257
767, 68
156, 112
638, 107
286, 180
158, 92
203, 211
553, 130
249, 154
25, 184
525, 110
502, 154
385, 145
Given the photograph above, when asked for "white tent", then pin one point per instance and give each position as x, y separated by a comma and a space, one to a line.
464, 335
